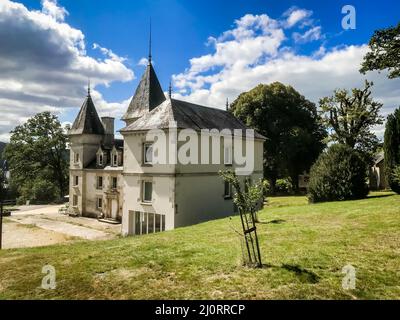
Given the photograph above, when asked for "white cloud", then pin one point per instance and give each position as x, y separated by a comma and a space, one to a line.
143, 62
44, 64
312, 34
295, 15
51, 8
248, 58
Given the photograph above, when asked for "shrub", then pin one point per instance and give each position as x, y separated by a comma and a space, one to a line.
340, 173
266, 187
283, 186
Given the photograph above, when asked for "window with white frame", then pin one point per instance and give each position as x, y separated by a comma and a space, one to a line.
74, 200
76, 157
99, 184
147, 189
228, 155
145, 223
115, 159
99, 203
227, 190
114, 182
148, 153
101, 159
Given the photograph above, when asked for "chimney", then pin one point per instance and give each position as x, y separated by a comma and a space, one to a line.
108, 123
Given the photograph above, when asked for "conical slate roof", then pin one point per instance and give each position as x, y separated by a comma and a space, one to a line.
148, 95
87, 121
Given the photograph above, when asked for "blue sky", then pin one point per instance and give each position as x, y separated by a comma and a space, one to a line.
181, 32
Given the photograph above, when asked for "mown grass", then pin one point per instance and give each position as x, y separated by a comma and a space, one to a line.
304, 248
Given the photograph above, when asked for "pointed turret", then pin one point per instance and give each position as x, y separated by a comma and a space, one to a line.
87, 121
148, 95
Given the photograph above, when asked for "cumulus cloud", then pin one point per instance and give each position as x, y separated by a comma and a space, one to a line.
44, 64
52, 9
295, 15
143, 62
252, 55
312, 34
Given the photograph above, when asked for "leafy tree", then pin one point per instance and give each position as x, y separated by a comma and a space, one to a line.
248, 199
2, 184
38, 149
396, 175
340, 173
350, 117
392, 149
385, 52
290, 124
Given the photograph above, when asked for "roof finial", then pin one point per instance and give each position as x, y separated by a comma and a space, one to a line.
170, 89
227, 104
150, 44
88, 89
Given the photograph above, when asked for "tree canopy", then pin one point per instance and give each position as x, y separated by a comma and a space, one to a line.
290, 124
340, 173
37, 152
392, 149
350, 117
384, 52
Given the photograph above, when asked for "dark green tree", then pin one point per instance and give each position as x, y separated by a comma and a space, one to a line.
290, 124
2, 185
392, 149
340, 173
384, 52
350, 117
37, 149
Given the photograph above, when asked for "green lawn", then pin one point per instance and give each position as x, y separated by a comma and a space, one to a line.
304, 248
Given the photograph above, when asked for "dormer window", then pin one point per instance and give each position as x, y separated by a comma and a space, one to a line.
101, 159
115, 160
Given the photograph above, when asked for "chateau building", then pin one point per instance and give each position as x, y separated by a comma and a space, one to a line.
118, 180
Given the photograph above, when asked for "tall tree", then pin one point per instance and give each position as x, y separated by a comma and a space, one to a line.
350, 118
38, 149
291, 125
384, 52
392, 149
2, 184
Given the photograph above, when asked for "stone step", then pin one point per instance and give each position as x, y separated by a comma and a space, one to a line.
110, 221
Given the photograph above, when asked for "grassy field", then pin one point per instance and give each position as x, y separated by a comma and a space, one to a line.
304, 248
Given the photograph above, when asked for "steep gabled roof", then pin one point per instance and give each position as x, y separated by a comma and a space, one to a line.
87, 121
148, 95
184, 115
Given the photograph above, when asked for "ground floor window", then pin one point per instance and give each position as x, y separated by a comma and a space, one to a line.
75, 200
99, 203
147, 190
227, 190
146, 223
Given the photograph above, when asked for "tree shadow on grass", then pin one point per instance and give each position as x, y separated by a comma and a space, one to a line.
381, 196
276, 221
304, 275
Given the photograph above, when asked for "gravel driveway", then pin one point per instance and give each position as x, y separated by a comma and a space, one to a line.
32, 226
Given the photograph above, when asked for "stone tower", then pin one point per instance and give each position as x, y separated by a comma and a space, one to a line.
86, 136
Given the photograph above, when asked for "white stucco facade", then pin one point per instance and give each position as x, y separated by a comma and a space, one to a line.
120, 180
